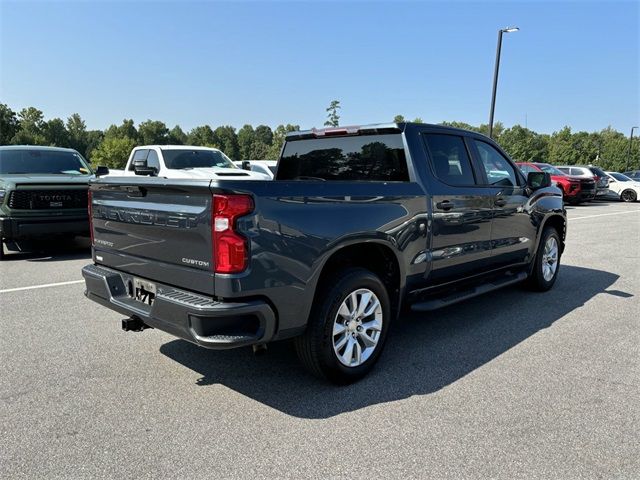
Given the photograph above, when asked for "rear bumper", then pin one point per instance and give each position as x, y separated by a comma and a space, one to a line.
192, 317
602, 191
15, 228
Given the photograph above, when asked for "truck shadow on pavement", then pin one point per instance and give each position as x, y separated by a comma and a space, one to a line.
424, 352
52, 250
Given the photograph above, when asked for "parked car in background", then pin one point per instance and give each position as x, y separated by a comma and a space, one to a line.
623, 187
184, 161
358, 222
595, 173
633, 174
43, 192
267, 167
602, 181
570, 186
587, 179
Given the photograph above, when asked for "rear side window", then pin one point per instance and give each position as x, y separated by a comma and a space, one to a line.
597, 171
449, 159
370, 158
498, 169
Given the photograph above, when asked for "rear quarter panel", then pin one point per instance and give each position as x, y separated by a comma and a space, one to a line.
296, 227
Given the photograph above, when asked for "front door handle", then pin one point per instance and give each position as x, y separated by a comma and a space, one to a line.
444, 205
500, 202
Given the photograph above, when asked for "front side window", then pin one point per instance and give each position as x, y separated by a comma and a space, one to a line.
620, 177
449, 159
527, 169
354, 158
551, 170
498, 169
41, 161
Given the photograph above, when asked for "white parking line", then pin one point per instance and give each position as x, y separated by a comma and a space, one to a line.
603, 215
46, 285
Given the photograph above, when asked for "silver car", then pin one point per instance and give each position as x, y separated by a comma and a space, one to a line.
591, 172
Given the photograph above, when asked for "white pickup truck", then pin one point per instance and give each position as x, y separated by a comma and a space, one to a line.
184, 161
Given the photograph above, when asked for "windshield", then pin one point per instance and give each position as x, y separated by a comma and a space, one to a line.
550, 170
620, 177
184, 159
38, 161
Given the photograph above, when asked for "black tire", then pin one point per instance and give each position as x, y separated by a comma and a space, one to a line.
537, 280
628, 196
315, 347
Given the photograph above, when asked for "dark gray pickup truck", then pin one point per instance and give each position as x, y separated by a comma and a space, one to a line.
359, 223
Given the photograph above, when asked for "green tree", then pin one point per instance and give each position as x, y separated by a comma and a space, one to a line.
55, 133
9, 124
228, 140
417, 120
399, 119
94, 139
279, 134
126, 130
177, 136
77, 130
153, 132
264, 134
202, 136
31, 131
246, 142
113, 152
333, 119
524, 145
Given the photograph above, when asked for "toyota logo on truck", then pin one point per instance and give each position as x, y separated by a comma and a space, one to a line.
55, 198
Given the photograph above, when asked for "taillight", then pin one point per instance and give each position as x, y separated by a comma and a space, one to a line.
90, 212
230, 249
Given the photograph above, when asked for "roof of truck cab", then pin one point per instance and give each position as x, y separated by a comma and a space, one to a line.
178, 147
375, 128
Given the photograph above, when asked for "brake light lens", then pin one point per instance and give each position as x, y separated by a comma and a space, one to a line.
90, 212
230, 249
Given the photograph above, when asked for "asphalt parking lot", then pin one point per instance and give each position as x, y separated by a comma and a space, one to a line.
508, 385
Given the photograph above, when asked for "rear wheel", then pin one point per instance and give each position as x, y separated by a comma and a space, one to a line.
347, 328
628, 196
547, 261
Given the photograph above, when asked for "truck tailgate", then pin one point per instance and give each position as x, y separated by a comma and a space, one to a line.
155, 230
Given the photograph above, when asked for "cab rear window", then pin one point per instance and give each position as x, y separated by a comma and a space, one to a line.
372, 158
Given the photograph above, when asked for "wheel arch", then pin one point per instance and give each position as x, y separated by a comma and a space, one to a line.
376, 256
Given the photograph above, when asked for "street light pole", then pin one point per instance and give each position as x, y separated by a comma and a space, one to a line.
630, 143
495, 75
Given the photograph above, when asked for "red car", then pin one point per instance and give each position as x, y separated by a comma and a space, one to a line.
569, 185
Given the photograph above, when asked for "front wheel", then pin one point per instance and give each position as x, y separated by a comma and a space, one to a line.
628, 196
347, 328
547, 261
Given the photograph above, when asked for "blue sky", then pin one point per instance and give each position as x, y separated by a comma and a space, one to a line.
571, 63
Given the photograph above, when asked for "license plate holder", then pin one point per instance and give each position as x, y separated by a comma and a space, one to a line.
144, 291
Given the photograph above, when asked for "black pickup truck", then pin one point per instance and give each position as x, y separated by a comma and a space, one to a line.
359, 223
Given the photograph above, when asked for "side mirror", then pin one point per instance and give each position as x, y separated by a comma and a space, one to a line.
246, 165
140, 168
102, 170
537, 180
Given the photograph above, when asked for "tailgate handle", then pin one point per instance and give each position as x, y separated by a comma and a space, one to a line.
135, 191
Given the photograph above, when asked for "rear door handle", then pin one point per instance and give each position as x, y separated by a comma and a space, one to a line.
499, 202
444, 205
